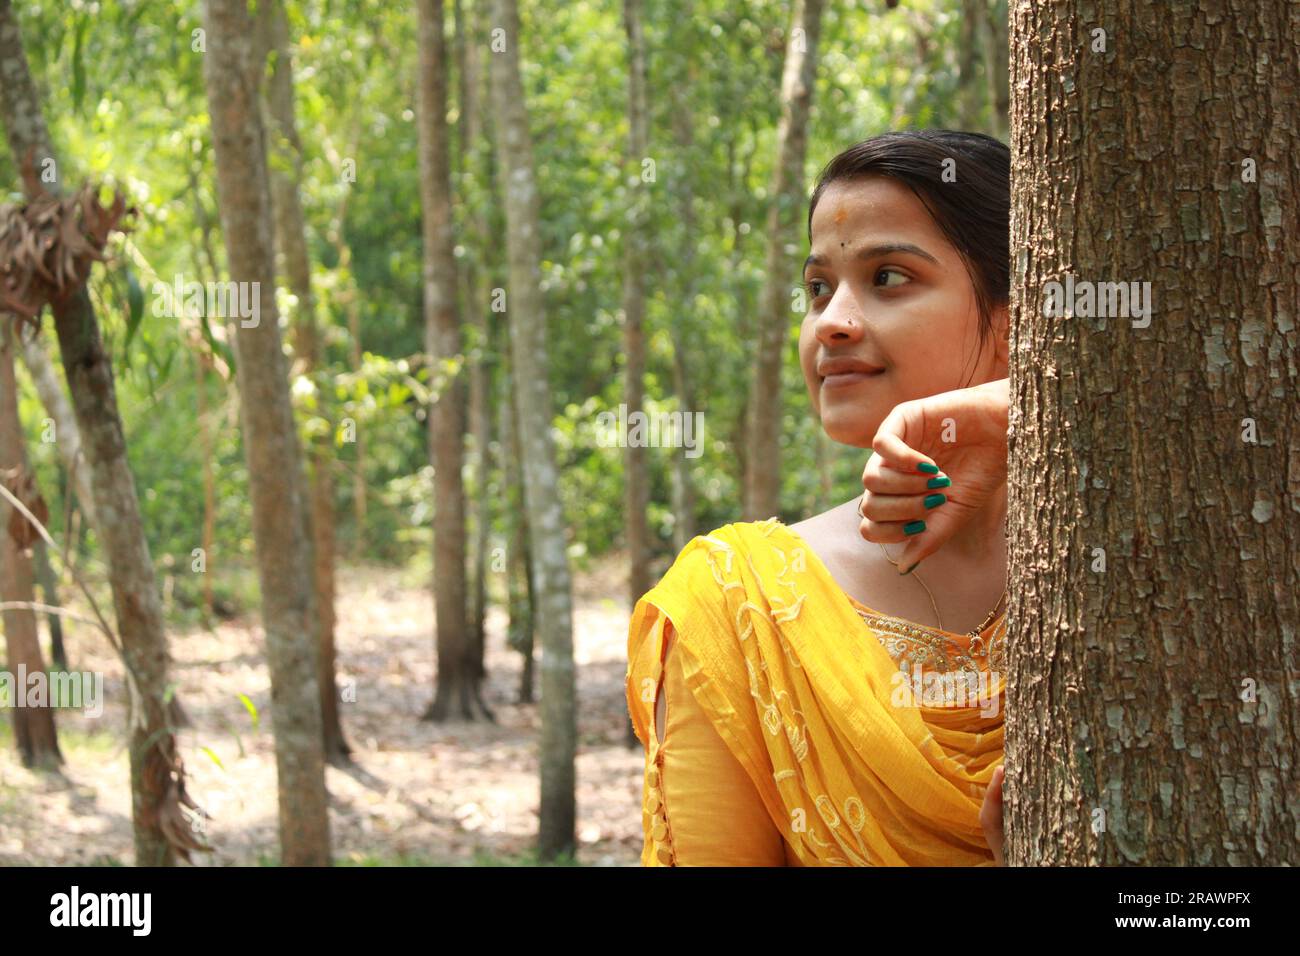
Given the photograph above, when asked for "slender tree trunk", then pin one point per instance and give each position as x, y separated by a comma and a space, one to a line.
351, 304
49, 585
67, 437
529, 363
359, 490
636, 247
34, 729
67, 441
209, 479
157, 775
476, 286
284, 552
519, 592
456, 693
291, 239
680, 326
998, 69
971, 92
1154, 480
788, 192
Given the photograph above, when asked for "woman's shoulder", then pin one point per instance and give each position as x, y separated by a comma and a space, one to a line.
733, 564
714, 553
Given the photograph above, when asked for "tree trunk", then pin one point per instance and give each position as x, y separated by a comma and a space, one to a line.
789, 194
49, 585
67, 441
532, 393
67, 437
520, 633
970, 91
456, 692
351, 303
209, 478
284, 552
680, 326
291, 238
477, 293
157, 776
34, 730
1152, 693
998, 70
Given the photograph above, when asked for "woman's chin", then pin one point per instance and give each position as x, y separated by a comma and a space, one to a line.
855, 430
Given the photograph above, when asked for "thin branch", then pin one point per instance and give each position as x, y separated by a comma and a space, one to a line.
46, 609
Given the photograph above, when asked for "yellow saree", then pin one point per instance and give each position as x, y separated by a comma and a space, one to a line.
867, 740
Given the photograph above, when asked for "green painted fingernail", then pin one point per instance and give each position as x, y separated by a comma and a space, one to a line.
926, 468
914, 527
943, 482
934, 501
912, 568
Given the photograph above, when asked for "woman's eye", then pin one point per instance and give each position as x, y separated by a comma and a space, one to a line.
816, 287
890, 272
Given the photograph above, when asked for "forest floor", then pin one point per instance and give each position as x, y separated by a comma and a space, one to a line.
418, 793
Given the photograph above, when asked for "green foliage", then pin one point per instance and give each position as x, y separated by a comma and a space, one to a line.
125, 97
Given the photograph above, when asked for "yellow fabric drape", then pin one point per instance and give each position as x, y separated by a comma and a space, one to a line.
851, 769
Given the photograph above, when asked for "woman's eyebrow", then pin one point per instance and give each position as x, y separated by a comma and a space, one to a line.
871, 252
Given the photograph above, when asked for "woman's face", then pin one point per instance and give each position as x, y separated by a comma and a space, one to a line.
888, 294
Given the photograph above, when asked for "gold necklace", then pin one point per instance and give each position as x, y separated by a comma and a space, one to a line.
971, 634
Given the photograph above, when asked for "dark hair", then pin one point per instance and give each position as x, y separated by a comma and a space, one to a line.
973, 211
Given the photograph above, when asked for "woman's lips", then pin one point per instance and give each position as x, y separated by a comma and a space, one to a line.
841, 379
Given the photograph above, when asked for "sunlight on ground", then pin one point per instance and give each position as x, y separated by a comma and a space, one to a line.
418, 794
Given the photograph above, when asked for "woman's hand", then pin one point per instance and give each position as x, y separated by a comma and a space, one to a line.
991, 817
962, 434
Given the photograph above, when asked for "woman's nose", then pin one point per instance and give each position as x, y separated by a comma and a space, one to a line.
841, 320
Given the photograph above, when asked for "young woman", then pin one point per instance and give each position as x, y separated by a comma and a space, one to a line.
828, 692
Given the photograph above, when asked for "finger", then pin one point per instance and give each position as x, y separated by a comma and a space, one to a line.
888, 443
882, 532
900, 507
883, 480
940, 525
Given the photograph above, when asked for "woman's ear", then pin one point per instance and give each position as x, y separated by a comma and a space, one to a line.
1002, 336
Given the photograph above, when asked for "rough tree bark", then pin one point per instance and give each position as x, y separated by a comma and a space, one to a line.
291, 241
788, 195
456, 690
276, 483
1154, 483
533, 409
